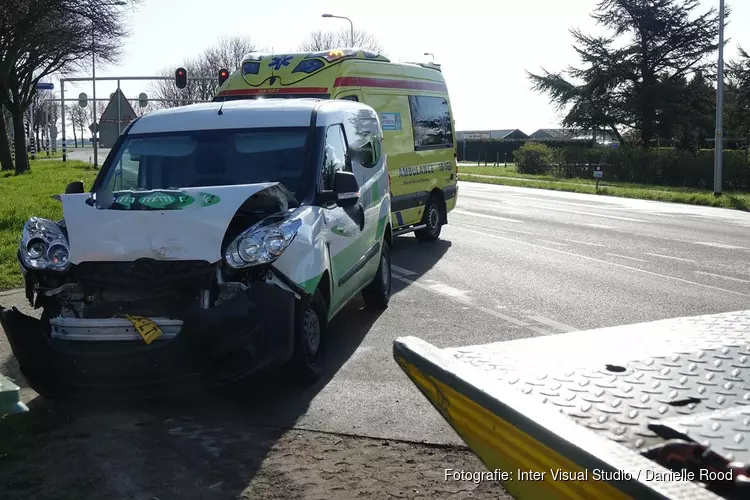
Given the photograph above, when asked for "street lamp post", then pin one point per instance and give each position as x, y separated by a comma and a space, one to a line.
351, 25
94, 133
719, 137
430, 54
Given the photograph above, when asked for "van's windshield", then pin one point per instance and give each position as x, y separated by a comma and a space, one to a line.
209, 158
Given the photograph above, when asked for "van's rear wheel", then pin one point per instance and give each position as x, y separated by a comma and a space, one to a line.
378, 293
310, 339
432, 219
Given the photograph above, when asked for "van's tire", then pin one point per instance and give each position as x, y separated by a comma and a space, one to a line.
433, 218
310, 340
378, 293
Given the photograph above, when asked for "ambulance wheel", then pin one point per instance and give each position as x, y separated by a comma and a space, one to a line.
432, 220
378, 293
310, 342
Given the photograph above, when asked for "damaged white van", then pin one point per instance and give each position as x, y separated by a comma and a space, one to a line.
217, 240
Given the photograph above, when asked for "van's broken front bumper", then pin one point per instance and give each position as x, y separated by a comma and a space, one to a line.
251, 331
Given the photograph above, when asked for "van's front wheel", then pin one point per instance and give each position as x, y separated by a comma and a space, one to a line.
310, 340
433, 221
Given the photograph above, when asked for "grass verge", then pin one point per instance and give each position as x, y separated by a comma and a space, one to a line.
739, 201
30, 194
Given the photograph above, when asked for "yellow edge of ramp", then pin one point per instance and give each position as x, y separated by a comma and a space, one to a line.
508, 431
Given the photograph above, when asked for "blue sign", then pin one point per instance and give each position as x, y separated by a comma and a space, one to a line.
45, 86
390, 121
598, 174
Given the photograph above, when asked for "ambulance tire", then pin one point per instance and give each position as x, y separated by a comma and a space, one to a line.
378, 293
433, 219
310, 340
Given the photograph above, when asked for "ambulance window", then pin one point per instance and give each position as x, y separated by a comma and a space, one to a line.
350, 97
334, 157
431, 122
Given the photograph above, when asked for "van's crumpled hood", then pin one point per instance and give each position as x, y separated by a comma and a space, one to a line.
184, 224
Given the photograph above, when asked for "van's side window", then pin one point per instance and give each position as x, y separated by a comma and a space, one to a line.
431, 122
334, 158
350, 97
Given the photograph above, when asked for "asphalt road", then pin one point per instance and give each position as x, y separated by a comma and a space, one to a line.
87, 154
512, 263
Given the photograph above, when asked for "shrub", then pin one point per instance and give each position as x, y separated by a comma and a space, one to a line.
659, 166
533, 158
502, 149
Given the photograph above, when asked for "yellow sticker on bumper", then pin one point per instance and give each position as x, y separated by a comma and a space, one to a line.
148, 330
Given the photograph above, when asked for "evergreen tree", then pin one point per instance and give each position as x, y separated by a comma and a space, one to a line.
629, 77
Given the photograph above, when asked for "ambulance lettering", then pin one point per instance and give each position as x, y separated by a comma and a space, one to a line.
429, 168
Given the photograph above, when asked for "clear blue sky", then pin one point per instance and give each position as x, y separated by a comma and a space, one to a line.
484, 47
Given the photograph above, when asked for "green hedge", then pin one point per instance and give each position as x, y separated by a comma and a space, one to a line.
492, 150
658, 166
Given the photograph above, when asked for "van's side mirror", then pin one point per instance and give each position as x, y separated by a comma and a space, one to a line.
346, 187
345, 192
75, 187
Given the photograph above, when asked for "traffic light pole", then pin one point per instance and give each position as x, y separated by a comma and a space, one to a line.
94, 79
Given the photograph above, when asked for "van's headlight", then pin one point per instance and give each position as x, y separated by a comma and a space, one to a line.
44, 246
261, 244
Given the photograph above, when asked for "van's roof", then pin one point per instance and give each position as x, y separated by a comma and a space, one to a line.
255, 113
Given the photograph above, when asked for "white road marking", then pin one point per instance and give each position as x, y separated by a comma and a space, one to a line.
670, 257
604, 262
586, 243
487, 216
718, 245
591, 214
448, 291
600, 226
403, 271
721, 276
503, 229
552, 242
467, 302
554, 324
623, 256
541, 331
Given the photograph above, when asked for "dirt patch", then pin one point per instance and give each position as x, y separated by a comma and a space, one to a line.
58, 453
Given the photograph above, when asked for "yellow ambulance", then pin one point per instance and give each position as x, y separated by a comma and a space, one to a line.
412, 102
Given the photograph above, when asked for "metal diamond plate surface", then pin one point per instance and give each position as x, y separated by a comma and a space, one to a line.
616, 381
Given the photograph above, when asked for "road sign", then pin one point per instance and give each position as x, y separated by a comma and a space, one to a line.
598, 174
115, 118
45, 85
91, 127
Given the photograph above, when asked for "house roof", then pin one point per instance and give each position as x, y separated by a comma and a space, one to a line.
553, 133
494, 134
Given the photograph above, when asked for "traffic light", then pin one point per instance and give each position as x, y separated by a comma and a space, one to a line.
223, 75
180, 78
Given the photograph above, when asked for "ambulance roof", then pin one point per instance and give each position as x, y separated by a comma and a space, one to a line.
255, 113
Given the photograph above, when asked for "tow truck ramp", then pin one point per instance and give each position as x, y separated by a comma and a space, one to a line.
649, 410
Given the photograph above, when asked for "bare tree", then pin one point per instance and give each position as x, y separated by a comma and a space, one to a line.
327, 40
80, 118
42, 37
227, 53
